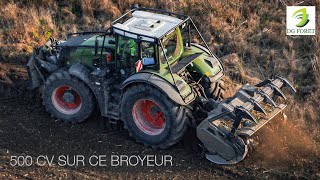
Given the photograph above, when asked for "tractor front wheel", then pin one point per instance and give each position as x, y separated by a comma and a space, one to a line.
151, 117
67, 98
215, 90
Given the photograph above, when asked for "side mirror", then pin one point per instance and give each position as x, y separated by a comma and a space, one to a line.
111, 42
108, 31
135, 6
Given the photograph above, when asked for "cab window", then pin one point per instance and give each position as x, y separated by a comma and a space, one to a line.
127, 48
148, 53
127, 52
172, 46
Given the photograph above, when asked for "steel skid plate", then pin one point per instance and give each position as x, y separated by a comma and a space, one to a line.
220, 148
218, 159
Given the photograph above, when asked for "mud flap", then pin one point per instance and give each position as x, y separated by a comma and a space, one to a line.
35, 76
239, 117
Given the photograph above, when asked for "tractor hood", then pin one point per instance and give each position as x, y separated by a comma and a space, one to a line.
85, 41
76, 41
203, 64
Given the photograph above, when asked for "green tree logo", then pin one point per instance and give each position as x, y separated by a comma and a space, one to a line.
301, 14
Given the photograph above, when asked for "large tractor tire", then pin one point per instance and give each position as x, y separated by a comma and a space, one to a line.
67, 98
215, 90
151, 117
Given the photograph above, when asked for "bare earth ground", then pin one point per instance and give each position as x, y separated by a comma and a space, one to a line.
285, 152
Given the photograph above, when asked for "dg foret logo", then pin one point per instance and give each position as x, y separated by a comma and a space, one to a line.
301, 20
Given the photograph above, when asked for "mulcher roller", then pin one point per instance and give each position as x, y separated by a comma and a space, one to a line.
225, 131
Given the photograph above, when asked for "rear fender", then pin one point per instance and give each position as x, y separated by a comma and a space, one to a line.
37, 70
95, 85
160, 83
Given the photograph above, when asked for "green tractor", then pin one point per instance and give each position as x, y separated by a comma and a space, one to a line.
146, 72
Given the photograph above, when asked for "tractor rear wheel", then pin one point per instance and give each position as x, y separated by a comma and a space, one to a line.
215, 90
67, 98
151, 117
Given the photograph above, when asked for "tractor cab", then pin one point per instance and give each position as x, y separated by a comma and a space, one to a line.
138, 42
159, 42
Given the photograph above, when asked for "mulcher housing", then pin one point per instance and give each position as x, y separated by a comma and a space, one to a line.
146, 71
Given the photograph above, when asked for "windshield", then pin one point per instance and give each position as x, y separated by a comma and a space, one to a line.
172, 46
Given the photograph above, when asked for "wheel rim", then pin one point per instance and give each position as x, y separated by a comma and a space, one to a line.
66, 100
149, 117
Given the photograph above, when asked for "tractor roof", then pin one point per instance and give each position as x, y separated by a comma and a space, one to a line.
148, 24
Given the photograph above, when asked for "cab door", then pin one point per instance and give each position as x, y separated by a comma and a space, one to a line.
127, 54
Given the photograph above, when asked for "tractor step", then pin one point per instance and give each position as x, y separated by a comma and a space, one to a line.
114, 101
116, 96
113, 115
113, 110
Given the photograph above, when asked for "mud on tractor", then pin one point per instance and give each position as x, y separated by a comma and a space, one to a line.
146, 72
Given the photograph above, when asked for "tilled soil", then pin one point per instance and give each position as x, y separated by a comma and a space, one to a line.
27, 130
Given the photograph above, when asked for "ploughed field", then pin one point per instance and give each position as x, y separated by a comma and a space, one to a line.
35, 146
